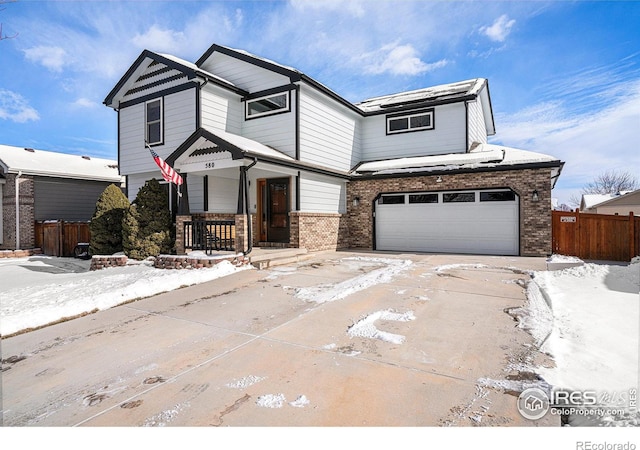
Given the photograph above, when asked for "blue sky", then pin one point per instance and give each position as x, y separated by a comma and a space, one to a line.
564, 75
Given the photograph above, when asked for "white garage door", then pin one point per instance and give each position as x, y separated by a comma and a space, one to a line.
479, 222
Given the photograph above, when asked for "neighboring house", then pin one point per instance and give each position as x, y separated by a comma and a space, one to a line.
411, 171
621, 203
37, 185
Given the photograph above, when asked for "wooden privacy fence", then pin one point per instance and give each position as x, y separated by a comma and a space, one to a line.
595, 236
59, 238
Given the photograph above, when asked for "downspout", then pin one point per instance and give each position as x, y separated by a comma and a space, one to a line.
17, 189
246, 205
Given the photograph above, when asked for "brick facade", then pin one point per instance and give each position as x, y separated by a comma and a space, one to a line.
27, 213
319, 231
535, 217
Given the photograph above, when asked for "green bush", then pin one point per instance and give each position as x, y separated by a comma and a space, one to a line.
106, 223
147, 225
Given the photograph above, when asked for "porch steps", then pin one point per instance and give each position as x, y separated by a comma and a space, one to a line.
265, 257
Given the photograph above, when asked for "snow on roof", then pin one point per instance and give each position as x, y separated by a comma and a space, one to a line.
441, 92
251, 55
249, 145
61, 165
193, 66
591, 200
483, 156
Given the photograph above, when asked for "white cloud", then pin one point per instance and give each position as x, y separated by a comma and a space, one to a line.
15, 107
590, 142
53, 58
353, 7
500, 29
84, 102
397, 60
160, 40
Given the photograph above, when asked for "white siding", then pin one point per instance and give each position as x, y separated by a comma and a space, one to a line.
242, 74
329, 135
221, 110
223, 195
277, 131
477, 129
321, 194
179, 122
448, 136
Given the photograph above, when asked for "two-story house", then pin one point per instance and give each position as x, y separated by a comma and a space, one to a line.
293, 163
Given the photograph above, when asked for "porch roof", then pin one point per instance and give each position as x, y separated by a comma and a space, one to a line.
205, 140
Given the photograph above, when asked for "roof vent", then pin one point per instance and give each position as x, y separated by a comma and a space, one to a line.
30, 150
86, 157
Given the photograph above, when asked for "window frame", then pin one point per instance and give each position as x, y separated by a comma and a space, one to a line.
160, 121
284, 109
408, 116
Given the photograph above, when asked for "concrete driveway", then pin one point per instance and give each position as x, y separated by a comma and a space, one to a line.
340, 339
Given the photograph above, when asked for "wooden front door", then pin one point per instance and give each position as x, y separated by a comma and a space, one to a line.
274, 209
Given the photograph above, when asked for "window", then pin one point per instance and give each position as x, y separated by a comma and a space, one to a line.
153, 119
423, 198
392, 200
264, 106
499, 196
416, 121
459, 197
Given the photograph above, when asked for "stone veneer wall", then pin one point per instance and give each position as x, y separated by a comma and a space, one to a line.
318, 231
535, 217
27, 212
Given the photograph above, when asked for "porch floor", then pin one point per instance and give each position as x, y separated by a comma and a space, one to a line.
264, 257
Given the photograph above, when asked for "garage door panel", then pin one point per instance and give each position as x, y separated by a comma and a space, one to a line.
461, 227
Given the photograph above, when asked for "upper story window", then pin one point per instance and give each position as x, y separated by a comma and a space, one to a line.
413, 121
153, 122
267, 105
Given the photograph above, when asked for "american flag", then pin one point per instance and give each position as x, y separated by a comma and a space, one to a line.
168, 173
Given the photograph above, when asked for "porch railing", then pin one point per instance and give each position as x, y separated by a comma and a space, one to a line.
210, 235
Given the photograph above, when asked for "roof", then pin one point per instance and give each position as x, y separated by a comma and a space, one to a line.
60, 165
593, 200
483, 157
452, 91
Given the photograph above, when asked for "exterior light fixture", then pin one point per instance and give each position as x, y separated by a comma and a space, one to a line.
534, 196
356, 201
439, 180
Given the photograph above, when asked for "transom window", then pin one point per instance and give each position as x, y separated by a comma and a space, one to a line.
415, 121
459, 197
153, 119
267, 105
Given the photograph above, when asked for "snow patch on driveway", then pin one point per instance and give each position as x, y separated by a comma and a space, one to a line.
365, 327
336, 291
245, 382
271, 400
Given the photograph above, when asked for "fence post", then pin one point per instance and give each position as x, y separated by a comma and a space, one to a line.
578, 234
632, 235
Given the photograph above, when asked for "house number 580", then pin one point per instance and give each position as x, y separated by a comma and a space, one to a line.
209, 165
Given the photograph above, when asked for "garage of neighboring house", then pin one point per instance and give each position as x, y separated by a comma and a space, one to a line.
462, 221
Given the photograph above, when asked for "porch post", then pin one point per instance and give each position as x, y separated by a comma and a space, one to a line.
183, 200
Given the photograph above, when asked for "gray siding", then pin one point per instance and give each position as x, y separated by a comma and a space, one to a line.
277, 131
329, 134
179, 123
66, 199
448, 136
477, 128
221, 110
322, 194
244, 75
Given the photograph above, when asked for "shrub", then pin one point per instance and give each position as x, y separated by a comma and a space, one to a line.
106, 223
147, 224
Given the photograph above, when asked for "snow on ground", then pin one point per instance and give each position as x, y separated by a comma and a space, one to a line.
330, 292
365, 327
40, 290
594, 337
